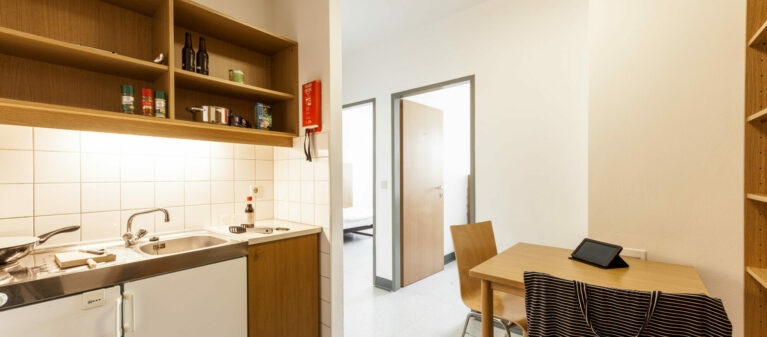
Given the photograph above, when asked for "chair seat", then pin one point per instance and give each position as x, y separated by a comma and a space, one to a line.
505, 306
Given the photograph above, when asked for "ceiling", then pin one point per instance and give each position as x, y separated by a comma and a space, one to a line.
365, 21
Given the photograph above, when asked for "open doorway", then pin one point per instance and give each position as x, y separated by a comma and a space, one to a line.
433, 175
358, 195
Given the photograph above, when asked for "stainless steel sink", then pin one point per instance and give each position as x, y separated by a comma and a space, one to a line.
180, 244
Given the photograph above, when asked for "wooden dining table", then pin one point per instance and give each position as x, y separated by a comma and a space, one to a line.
505, 272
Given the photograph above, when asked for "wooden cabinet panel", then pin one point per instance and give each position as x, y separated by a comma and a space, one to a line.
283, 288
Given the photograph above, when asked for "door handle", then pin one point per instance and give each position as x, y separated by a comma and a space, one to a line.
128, 314
441, 189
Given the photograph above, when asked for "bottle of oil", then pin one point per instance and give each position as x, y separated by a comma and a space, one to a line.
250, 220
187, 54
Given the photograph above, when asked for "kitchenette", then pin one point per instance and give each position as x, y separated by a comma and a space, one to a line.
154, 175
260, 282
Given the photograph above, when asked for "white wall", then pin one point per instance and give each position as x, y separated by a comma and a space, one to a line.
455, 103
529, 58
666, 135
358, 152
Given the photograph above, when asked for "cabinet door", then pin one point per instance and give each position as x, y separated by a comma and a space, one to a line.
283, 283
67, 316
199, 302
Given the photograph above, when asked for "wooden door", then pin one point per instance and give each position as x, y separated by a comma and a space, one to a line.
422, 232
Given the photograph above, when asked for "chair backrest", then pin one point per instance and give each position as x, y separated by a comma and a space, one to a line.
474, 244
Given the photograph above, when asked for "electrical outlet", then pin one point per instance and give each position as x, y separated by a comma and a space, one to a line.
634, 253
257, 191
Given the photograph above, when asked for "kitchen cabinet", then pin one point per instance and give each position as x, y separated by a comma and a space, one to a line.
283, 288
198, 302
67, 316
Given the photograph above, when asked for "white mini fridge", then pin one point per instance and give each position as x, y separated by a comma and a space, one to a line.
200, 302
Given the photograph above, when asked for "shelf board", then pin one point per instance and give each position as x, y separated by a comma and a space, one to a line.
759, 37
757, 197
757, 116
759, 274
146, 7
207, 21
194, 81
32, 46
26, 113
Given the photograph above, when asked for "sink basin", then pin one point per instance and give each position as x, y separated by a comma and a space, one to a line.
180, 245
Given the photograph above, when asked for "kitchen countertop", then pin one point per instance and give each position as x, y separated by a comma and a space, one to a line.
253, 238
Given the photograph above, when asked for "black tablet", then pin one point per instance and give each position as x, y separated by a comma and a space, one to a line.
600, 254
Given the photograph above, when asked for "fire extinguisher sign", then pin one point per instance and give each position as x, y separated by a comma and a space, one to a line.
312, 106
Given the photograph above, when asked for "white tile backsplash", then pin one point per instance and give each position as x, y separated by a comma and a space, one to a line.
100, 197
137, 195
137, 167
56, 140
57, 167
222, 192
222, 150
197, 193
244, 151
17, 226
53, 199
100, 225
16, 166
50, 178
169, 194
222, 169
16, 200
15, 137
245, 169
100, 167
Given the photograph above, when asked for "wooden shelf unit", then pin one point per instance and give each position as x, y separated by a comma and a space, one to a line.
755, 205
63, 63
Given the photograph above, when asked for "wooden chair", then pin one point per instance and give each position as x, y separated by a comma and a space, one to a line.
474, 244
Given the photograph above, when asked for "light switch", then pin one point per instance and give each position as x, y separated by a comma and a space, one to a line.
384, 184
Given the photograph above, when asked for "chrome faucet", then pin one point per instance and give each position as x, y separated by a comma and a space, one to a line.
129, 238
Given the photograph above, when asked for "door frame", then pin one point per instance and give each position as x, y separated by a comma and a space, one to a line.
396, 164
371, 101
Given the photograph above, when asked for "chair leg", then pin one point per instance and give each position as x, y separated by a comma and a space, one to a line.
468, 318
506, 327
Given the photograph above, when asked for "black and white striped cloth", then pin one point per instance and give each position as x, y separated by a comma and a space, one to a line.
558, 307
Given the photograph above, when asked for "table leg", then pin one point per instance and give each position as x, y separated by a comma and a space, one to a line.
487, 309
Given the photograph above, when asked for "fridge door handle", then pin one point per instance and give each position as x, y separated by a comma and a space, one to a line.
128, 323
119, 317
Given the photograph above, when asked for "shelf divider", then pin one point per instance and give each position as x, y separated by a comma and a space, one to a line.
32, 46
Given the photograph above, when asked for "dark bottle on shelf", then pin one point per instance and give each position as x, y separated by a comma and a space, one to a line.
187, 54
202, 58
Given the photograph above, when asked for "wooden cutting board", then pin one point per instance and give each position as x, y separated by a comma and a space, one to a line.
77, 258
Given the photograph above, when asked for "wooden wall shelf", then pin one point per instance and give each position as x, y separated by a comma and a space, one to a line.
759, 37
16, 112
40, 48
58, 71
757, 197
759, 274
189, 80
757, 116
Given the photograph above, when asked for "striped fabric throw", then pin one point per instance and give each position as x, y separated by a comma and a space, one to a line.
558, 307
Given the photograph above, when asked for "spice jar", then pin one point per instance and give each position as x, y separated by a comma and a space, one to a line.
147, 102
159, 104
127, 99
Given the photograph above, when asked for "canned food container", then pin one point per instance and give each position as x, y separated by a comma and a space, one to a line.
236, 75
